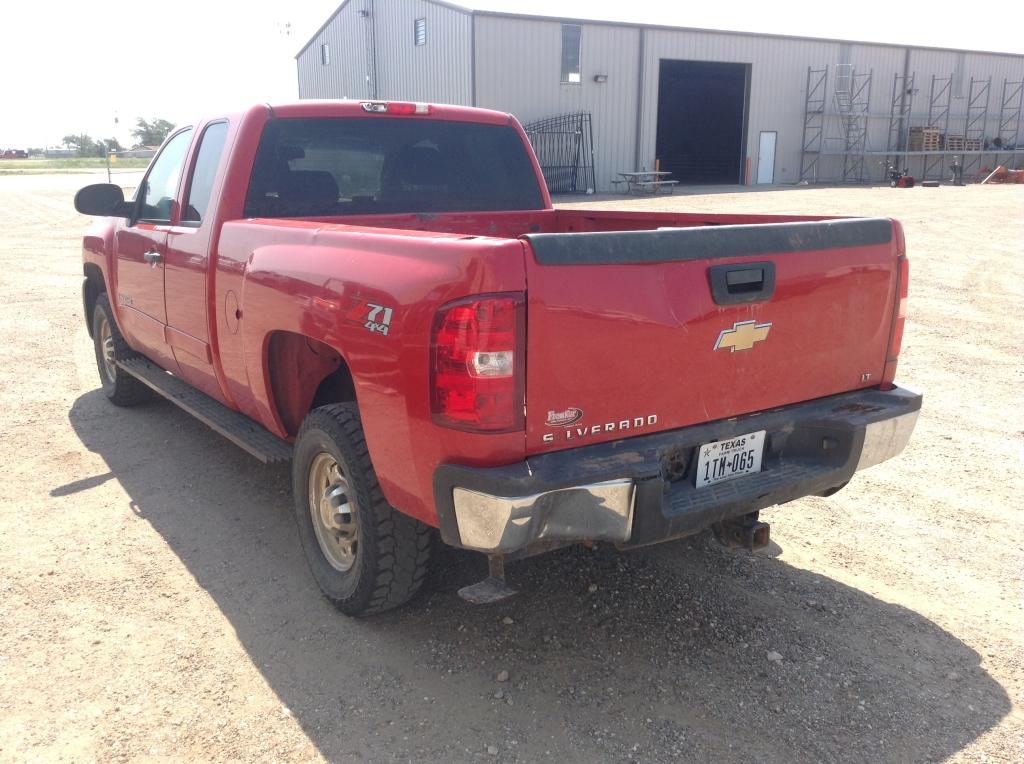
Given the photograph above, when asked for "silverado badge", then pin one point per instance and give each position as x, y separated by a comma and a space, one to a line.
742, 336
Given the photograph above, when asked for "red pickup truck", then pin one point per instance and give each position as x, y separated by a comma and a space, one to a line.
382, 293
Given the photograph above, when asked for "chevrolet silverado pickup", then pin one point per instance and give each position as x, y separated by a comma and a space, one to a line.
383, 294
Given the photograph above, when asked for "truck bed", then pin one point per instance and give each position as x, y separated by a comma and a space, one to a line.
627, 328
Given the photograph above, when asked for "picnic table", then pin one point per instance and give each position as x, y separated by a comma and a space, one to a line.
646, 181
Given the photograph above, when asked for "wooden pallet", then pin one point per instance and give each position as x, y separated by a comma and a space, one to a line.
923, 139
954, 142
972, 144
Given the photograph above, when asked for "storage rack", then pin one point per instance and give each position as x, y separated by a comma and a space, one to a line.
851, 97
974, 124
812, 145
1009, 116
939, 98
902, 104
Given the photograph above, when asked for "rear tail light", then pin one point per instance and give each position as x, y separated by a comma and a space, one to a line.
478, 364
898, 322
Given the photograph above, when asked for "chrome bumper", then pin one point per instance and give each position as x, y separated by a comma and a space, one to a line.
884, 440
499, 524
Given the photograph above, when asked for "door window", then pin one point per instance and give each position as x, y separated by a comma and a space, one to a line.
161, 184
205, 171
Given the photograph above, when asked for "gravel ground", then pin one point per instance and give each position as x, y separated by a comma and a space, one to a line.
154, 603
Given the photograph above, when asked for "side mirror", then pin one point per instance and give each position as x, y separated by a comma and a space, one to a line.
103, 199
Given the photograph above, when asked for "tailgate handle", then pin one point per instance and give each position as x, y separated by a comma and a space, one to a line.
739, 283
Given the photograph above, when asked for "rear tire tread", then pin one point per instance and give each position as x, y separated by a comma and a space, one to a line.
402, 544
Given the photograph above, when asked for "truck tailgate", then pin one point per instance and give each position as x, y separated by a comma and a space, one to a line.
634, 332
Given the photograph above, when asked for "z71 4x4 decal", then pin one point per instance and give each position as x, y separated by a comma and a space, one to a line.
372, 317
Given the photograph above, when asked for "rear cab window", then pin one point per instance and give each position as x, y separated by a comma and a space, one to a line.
200, 187
335, 166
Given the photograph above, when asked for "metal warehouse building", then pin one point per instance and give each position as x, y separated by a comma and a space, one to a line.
601, 97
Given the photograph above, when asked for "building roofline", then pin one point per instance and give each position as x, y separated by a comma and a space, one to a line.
322, 28
671, 28
442, 3
668, 28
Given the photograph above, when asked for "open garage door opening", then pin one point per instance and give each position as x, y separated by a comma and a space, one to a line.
702, 111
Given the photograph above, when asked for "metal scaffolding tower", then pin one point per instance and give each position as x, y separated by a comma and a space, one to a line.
899, 114
852, 99
938, 116
1008, 136
814, 123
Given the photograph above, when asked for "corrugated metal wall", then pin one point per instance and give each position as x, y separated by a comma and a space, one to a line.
518, 67
439, 71
778, 72
962, 67
346, 75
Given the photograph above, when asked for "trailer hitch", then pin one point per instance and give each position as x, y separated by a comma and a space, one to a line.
744, 532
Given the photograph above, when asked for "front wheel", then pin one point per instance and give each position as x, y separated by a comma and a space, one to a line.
120, 387
365, 555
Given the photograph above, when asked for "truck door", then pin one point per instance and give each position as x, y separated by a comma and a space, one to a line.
187, 262
141, 247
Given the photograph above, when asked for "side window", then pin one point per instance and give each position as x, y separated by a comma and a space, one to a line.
161, 184
205, 171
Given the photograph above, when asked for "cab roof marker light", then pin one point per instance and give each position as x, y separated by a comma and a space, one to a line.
395, 107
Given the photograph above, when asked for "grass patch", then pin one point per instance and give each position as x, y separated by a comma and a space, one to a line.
71, 163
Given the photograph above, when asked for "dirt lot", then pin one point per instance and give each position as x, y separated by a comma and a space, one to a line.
154, 602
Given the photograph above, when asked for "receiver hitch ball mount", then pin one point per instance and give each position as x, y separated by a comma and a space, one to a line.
744, 532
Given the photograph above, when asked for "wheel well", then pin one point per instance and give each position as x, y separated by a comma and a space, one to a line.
92, 287
304, 374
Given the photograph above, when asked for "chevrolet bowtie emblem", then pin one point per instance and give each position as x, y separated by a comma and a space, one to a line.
742, 336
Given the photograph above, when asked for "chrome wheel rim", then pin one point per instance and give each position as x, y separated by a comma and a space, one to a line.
106, 340
333, 512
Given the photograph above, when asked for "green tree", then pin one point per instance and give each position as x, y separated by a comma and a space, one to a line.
83, 144
151, 132
111, 144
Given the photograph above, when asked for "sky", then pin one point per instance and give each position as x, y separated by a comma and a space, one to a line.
74, 68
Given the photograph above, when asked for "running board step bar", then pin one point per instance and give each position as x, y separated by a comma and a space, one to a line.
236, 427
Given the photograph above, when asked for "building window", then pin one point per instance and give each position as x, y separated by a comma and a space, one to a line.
325, 54
571, 34
419, 32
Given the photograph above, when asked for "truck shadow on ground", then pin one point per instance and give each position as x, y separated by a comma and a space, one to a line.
656, 655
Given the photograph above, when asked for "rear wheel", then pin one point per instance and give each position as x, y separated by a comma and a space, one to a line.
120, 387
365, 555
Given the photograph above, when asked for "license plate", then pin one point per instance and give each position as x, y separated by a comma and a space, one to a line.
727, 459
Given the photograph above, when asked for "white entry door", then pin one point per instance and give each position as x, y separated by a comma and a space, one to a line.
766, 158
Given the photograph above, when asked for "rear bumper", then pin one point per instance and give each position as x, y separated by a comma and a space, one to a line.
642, 490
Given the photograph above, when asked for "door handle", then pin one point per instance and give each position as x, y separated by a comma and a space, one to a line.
153, 258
